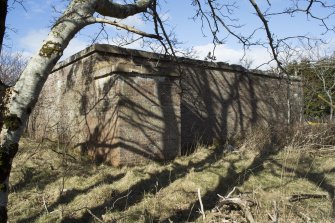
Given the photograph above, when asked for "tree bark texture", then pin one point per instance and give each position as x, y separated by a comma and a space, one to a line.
3, 14
78, 14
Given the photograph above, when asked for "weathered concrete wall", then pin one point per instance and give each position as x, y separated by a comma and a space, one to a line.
126, 106
221, 102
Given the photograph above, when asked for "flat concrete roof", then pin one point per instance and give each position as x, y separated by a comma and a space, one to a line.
125, 52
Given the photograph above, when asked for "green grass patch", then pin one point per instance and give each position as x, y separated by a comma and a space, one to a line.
50, 186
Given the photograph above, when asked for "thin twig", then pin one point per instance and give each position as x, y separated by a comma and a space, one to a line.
94, 216
45, 204
120, 198
201, 206
275, 217
189, 215
231, 193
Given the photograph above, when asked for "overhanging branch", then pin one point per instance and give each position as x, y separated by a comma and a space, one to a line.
121, 11
268, 34
125, 27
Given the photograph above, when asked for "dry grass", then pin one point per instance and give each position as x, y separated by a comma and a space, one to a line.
50, 187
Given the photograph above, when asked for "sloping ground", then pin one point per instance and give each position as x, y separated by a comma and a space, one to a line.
48, 185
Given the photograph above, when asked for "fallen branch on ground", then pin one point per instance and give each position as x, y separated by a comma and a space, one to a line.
299, 197
243, 204
275, 216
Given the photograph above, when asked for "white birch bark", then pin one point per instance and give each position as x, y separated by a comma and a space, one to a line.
328, 88
78, 14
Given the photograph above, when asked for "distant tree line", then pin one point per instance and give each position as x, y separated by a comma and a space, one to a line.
318, 85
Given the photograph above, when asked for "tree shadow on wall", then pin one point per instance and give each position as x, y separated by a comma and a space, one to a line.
157, 112
131, 118
213, 107
217, 106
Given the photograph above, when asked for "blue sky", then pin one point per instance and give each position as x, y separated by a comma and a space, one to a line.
32, 24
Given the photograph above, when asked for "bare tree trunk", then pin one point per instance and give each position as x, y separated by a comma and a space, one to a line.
26, 91
288, 92
321, 74
3, 14
331, 106
3, 211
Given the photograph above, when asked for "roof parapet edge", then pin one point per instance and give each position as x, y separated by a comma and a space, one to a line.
110, 49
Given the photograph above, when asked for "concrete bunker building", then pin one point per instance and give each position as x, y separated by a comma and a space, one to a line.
126, 106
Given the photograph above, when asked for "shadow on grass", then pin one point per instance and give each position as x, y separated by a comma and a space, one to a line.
69, 196
162, 179
33, 178
319, 179
136, 193
232, 179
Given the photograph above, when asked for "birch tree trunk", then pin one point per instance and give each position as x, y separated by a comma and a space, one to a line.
78, 14
331, 104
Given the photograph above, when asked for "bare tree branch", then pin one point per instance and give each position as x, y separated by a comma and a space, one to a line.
120, 11
125, 27
268, 34
324, 20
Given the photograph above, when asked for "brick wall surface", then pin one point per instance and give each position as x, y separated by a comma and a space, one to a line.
124, 107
